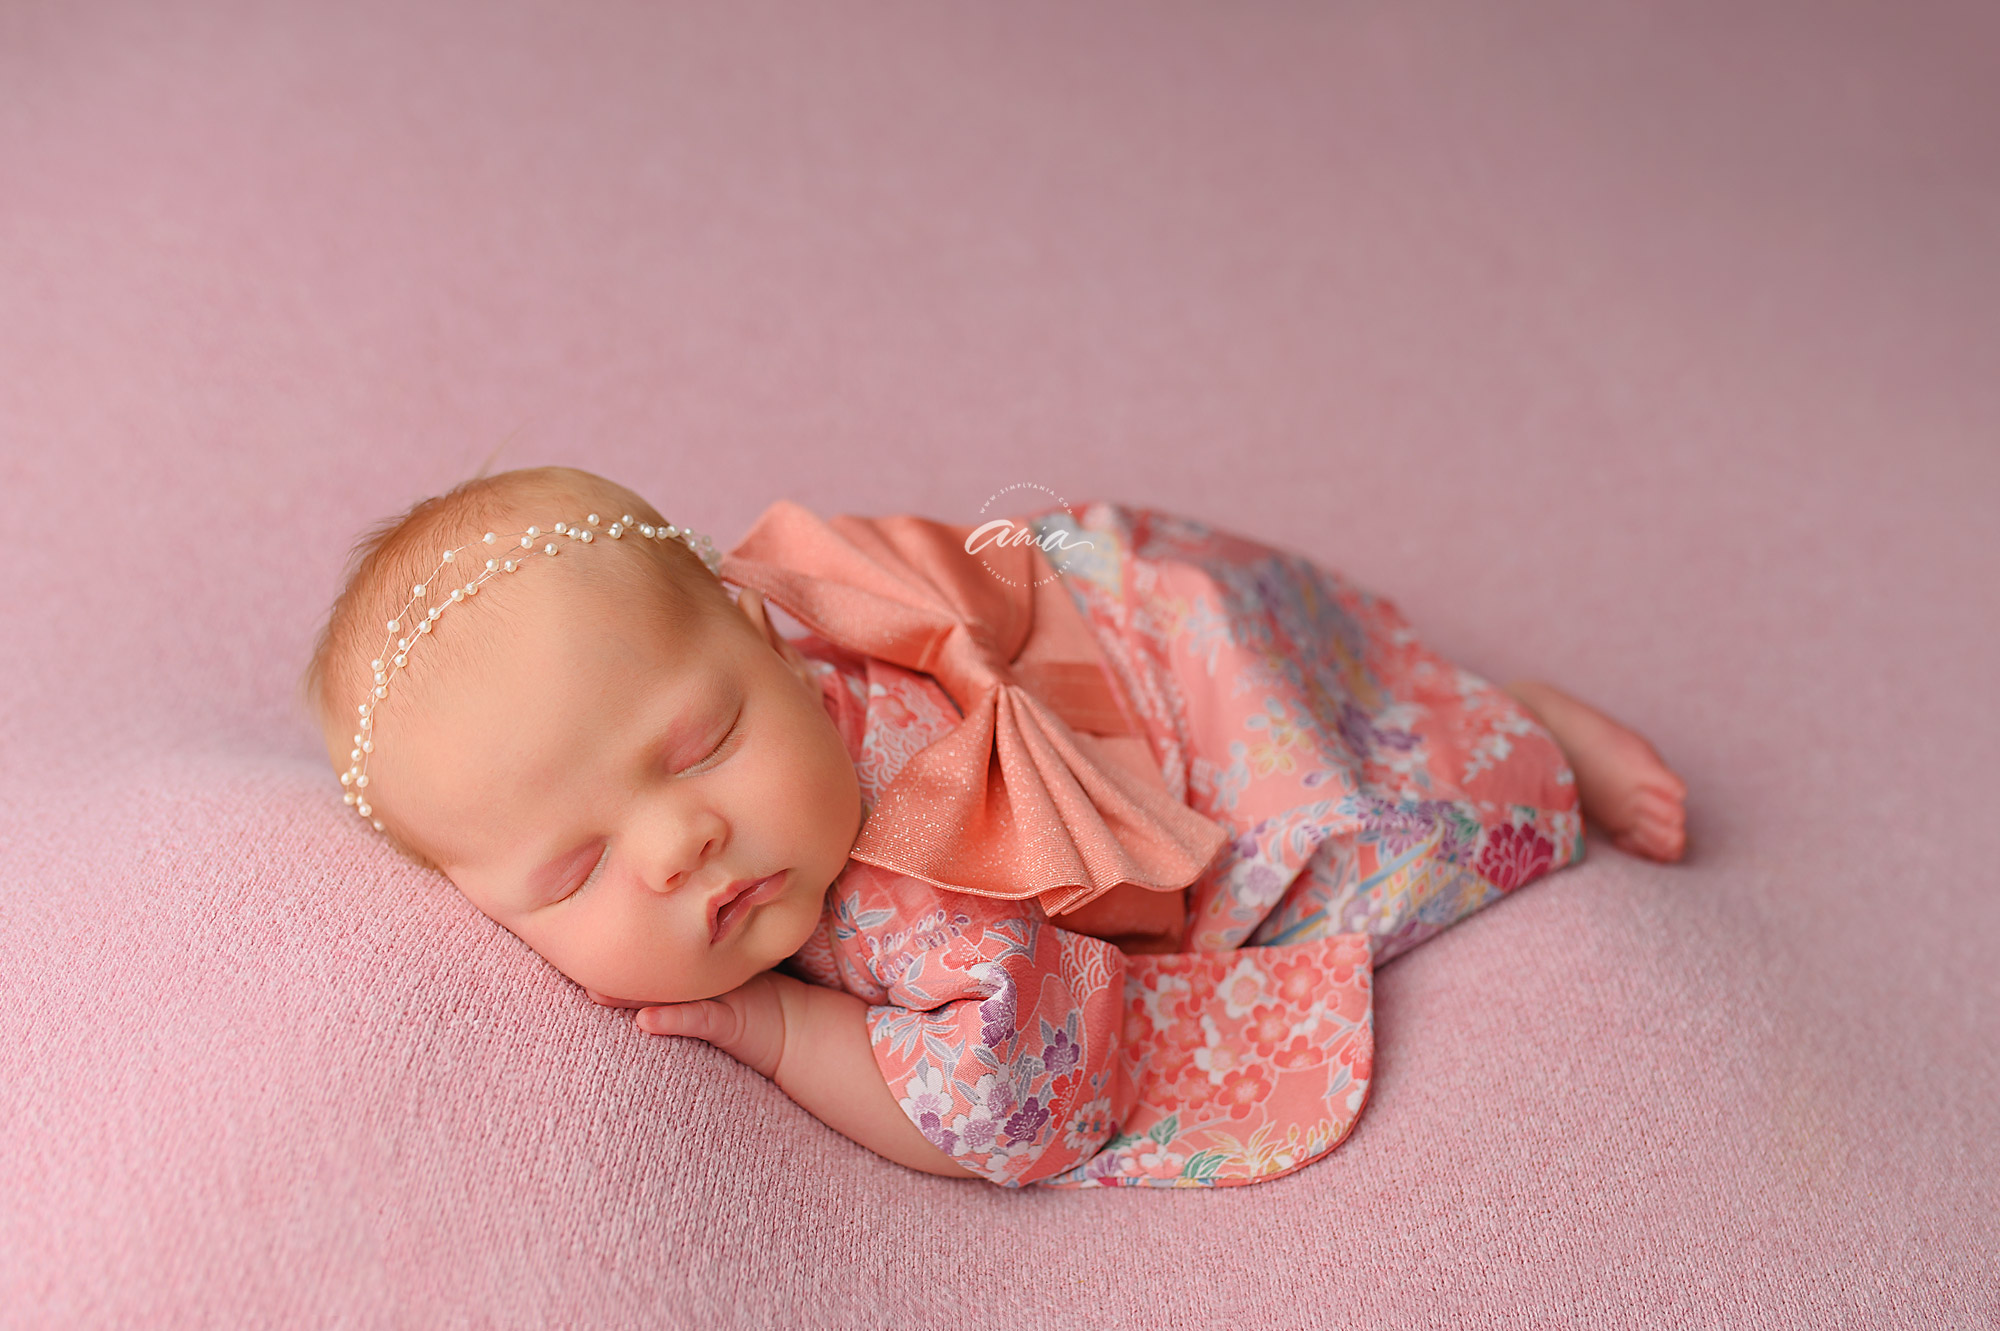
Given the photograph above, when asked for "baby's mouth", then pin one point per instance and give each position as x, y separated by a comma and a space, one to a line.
736, 900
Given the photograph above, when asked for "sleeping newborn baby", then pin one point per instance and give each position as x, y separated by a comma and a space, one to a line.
1055, 852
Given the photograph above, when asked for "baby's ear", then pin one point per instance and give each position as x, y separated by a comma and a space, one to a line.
751, 603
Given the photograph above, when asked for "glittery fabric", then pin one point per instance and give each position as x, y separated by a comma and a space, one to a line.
1018, 798
1374, 794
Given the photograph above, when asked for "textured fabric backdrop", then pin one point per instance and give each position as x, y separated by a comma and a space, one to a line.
1654, 349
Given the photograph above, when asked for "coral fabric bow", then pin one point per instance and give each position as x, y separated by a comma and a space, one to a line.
1033, 793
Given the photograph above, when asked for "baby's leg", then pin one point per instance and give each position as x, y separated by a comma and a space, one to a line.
1622, 782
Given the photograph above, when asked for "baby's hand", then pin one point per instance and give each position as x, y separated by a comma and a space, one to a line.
747, 1023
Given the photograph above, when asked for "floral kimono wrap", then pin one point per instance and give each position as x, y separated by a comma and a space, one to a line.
1369, 794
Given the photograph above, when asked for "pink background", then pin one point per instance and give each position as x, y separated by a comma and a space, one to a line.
1654, 349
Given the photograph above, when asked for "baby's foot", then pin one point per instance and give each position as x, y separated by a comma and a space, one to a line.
1625, 787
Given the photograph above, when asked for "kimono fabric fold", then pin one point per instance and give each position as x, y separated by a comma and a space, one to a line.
1188, 708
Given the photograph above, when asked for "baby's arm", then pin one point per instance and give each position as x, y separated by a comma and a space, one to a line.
813, 1042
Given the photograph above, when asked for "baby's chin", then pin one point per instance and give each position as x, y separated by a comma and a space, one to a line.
779, 929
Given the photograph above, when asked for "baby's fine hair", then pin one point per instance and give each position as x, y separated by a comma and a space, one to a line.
403, 550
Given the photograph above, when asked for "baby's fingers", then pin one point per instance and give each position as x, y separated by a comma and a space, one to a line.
709, 1019
747, 1023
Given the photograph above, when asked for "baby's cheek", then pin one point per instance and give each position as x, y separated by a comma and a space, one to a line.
824, 787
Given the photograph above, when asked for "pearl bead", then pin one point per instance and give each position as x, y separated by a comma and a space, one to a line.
363, 810
489, 538
402, 645
645, 529
458, 593
362, 781
424, 627
355, 756
436, 610
381, 691
593, 519
417, 590
586, 538
379, 676
508, 566
558, 529
549, 549
527, 541
348, 797
472, 589
367, 723
378, 824
347, 777
375, 664
363, 709
357, 739
393, 625
534, 531
627, 519
492, 564
614, 531
672, 530
449, 556
401, 659
368, 746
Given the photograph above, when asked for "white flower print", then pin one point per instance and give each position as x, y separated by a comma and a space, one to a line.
926, 1093
1243, 987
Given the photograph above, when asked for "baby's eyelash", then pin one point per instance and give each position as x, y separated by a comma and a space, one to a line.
720, 745
603, 858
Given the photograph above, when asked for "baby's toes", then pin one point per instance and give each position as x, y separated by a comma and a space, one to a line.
1648, 843
1657, 831
1658, 807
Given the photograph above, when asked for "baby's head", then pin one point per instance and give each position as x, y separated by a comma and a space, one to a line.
594, 749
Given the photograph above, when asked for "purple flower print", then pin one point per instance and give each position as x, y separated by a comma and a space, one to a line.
976, 1131
1261, 880
1363, 736
1396, 828
996, 1014
1455, 847
937, 1133
1103, 1165
1353, 726
1027, 1122
993, 1098
1060, 1054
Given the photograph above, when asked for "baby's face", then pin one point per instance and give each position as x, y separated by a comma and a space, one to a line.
599, 779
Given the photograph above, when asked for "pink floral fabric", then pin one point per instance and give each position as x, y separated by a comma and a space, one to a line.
1375, 795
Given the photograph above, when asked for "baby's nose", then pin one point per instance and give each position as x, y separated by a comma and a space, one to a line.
675, 875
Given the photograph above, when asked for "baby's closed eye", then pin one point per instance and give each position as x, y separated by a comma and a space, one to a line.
721, 749
716, 754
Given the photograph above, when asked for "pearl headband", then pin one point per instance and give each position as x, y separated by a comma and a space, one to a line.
385, 665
